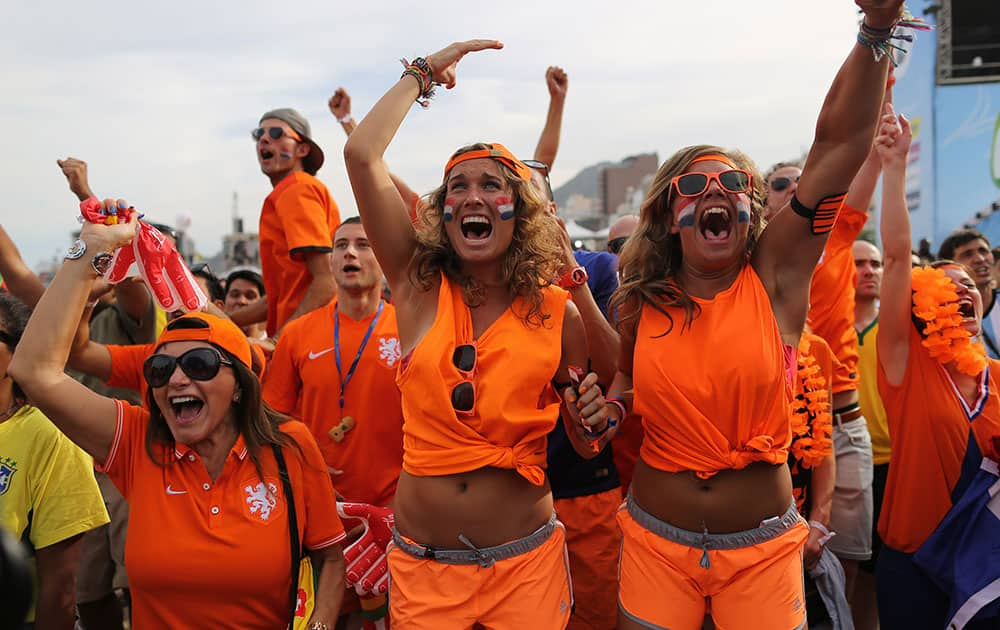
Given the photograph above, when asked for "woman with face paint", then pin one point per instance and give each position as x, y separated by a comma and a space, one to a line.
939, 391
711, 308
487, 345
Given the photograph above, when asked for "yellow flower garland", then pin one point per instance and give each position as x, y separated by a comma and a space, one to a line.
812, 424
935, 301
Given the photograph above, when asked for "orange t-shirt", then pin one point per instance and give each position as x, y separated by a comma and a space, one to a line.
302, 381
126, 367
714, 396
930, 422
515, 407
215, 554
831, 297
299, 216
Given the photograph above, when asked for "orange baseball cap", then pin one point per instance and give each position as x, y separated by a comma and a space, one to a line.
496, 151
197, 326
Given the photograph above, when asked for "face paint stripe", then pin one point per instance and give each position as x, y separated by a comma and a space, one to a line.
505, 206
448, 213
685, 214
742, 208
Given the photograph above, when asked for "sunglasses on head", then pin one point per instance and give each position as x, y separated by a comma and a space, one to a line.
463, 395
274, 133
200, 364
542, 168
780, 183
694, 184
615, 245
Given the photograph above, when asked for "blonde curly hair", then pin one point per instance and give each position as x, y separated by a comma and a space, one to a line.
532, 259
652, 256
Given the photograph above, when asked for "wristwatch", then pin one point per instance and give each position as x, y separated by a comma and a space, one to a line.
575, 277
76, 250
102, 262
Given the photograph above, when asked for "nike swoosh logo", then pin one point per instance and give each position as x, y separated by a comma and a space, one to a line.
172, 491
316, 355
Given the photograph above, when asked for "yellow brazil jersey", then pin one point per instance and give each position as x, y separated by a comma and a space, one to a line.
871, 402
48, 492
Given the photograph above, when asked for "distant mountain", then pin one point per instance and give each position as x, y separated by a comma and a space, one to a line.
586, 183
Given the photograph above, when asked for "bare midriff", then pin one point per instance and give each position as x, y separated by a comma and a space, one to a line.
845, 398
489, 506
730, 501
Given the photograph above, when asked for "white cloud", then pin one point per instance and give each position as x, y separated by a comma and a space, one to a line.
159, 97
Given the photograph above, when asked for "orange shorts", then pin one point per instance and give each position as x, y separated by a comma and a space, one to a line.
671, 578
522, 584
593, 538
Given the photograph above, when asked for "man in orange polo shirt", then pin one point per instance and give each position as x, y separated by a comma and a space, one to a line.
297, 224
335, 369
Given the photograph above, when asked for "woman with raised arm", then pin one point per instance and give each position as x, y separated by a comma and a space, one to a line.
940, 396
210, 539
485, 337
711, 308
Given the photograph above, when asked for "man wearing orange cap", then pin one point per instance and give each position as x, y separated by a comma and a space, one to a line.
297, 224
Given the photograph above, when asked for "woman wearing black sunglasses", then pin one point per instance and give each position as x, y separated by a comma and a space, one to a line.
483, 338
711, 308
209, 541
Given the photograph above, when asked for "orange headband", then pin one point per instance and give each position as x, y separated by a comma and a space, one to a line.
714, 157
496, 152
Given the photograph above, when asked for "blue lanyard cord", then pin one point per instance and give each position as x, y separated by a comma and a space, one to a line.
344, 380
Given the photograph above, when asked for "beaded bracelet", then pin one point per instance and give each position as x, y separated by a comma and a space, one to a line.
420, 70
880, 40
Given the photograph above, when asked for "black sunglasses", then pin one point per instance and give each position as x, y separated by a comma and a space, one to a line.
780, 183
201, 364
202, 269
543, 168
274, 133
615, 245
463, 396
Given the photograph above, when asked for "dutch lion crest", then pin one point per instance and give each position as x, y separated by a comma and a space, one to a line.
261, 499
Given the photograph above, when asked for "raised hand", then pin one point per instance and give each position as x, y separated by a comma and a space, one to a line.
881, 13
98, 231
443, 63
557, 82
894, 138
367, 563
76, 174
340, 104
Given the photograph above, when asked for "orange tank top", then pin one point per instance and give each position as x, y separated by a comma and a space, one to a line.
515, 405
714, 396
929, 422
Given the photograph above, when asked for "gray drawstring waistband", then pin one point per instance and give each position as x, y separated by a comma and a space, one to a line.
485, 556
769, 529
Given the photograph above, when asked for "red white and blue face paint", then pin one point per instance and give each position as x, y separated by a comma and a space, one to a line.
505, 206
685, 212
448, 213
742, 208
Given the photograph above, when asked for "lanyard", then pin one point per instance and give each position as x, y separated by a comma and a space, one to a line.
344, 380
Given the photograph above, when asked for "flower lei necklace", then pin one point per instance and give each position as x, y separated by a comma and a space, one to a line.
812, 424
935, 301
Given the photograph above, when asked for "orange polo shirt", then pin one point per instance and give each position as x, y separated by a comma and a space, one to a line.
298, 217
515, 406
302, 381
215, 554
831, 297
930, 422
714, 396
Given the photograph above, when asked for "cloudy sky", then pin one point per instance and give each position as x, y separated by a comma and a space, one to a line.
159, 98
